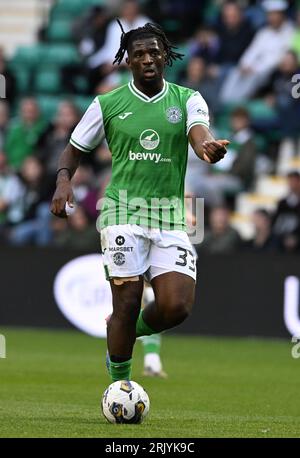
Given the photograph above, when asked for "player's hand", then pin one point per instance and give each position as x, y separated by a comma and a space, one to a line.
214, 151
62, 195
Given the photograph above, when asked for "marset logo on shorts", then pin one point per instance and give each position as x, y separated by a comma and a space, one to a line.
149, 139
120, 240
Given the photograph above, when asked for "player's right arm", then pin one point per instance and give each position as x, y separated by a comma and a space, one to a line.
67, 166
87, 135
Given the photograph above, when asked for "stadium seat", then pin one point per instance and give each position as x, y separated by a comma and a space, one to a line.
61, 54
23, 79
259, 109
272, 185
243, 224
72, 8
173, 72
48, 105
82, 101
60, 30
47, 81
247, 203
29, 56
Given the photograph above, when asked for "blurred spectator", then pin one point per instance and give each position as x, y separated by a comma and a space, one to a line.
264, 241
286, 222
244, 148
179, 18
295, 46
85, 189
198, 181
56, 137
235, 35
82, 182
24, 133
197, 78
34, 225
222, 181
10, 80
205, 44
220, 237
131, 18
11, 192
4, 120
80, 233
288, 107
90, 33
262, 56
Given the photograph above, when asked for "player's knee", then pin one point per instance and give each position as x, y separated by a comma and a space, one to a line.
176, 312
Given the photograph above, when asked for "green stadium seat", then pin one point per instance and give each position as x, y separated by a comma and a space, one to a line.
211, 12
60, 30
61, 54
47, 81
259, 109
23, 80
29, 56
173, 72
72, 8
82, 101
48, 105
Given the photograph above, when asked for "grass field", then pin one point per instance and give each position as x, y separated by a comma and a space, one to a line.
51, 383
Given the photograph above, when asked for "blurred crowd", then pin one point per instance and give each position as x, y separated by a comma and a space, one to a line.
239, 53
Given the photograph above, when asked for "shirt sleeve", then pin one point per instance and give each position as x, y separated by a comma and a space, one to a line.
89, 132
197, 111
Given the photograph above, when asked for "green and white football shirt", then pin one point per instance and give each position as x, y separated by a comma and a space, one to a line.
148, 141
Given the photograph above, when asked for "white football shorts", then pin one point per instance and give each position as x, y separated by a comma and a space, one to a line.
129, 250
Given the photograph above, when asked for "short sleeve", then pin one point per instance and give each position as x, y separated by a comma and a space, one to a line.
89, 132
197, 111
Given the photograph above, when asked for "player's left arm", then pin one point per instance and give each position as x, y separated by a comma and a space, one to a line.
205, 146
199, 135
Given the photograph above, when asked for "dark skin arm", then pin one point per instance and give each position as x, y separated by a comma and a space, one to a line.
205, 146
70, 158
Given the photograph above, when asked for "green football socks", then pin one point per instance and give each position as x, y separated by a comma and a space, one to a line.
142, 329
120, 371
151, 344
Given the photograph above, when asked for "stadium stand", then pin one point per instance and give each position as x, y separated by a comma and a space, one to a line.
41, 55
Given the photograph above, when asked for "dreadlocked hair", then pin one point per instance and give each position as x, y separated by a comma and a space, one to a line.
147, 31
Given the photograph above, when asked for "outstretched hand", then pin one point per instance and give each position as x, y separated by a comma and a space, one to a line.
214, 151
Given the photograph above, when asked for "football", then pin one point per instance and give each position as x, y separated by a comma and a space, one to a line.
125, 402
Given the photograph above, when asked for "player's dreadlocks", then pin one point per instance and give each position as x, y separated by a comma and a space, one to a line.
147, 31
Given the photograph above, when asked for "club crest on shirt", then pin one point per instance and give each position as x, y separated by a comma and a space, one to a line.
119, 258
174, 114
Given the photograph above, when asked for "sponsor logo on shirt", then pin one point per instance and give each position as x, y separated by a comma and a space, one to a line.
155, 157
149, 139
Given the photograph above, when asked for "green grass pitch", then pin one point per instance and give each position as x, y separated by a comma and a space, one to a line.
51, 384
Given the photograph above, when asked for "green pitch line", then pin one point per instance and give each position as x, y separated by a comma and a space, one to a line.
52, 381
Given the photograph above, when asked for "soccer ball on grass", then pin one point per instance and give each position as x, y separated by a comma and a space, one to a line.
125, 402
